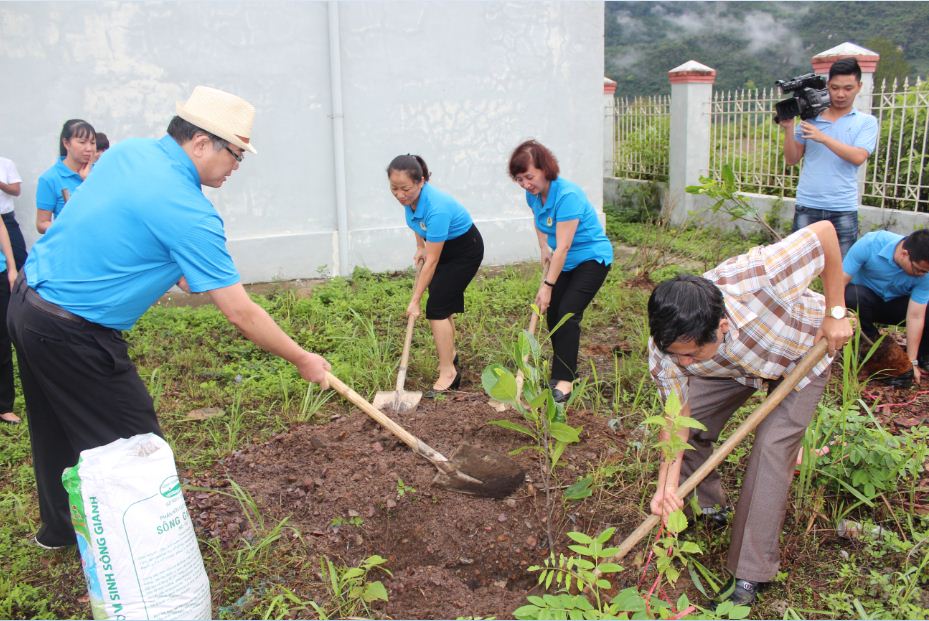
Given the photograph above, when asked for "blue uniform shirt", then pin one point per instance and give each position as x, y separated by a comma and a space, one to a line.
870, 263
438, 216
826, 180
138, 224
567, 201
48, 191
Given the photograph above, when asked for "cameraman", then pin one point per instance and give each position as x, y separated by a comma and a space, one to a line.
834, 145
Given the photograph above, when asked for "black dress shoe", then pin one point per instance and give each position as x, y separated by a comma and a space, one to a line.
432, 393
743, 592
560, 397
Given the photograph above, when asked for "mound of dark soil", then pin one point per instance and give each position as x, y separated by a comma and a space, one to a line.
353, 490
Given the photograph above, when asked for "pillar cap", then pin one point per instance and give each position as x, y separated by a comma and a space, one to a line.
692, 72
867, 59
609, 86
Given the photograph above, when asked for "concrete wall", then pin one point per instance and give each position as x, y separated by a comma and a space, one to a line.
460, 83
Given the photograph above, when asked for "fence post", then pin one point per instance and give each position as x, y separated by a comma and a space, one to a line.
609, 127
691, 101
867, 60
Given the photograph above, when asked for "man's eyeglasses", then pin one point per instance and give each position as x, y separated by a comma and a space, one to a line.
238, 156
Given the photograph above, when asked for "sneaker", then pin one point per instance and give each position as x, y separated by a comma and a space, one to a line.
46, 546
743, 592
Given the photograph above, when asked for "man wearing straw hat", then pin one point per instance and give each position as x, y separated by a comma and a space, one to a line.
140, 224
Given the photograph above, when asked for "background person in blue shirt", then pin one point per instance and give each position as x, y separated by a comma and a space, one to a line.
885, 276
138, 225
566, 222
450, 248
832, 146
77, 148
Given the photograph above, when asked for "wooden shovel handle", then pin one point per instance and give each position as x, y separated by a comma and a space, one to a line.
408, 438
748, 425
405, 357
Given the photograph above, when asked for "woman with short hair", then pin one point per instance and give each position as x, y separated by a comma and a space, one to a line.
450, 248
573, 243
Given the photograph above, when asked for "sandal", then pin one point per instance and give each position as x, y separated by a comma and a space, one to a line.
10, 421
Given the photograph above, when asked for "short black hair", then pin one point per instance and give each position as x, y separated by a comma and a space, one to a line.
845, 66
685, 308
917, 245
103, 143
74, 128
183, 131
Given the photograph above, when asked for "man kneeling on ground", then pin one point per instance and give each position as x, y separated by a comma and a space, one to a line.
886, 283
714, 341
139, 225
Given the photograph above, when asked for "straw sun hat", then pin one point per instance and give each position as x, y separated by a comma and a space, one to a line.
220, 113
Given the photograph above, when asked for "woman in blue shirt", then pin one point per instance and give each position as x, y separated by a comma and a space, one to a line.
566, 222
451, 250
77, 148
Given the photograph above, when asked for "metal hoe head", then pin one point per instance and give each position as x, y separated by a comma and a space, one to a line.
399, 401
479, 472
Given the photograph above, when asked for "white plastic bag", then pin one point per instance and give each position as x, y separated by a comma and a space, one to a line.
137, 543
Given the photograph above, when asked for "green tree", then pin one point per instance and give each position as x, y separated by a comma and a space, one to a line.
893, 65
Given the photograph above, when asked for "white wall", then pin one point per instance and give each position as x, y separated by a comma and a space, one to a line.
460, 83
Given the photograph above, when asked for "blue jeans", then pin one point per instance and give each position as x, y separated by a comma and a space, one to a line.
845, 223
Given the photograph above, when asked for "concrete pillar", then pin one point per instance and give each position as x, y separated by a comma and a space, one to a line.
867, 60
691, 101
609, 127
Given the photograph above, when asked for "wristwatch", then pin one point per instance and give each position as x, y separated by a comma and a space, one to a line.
838, 312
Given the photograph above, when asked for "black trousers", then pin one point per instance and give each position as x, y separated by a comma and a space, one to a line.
81, 391
7, 389
17, 242
572, 293
872, 309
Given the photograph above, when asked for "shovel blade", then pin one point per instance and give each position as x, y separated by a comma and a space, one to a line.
479, 472
397, 401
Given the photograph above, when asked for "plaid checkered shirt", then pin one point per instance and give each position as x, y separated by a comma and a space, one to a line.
773, 317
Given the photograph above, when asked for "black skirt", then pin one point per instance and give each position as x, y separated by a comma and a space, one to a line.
457, 266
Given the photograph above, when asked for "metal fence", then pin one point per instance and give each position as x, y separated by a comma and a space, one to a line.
642, 135
897, 176
744, 135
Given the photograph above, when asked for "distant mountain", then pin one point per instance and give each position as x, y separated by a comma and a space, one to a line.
752, 44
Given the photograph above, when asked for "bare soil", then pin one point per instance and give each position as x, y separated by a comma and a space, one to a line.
450, 554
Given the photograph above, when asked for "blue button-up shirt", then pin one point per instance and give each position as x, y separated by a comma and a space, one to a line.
870, 263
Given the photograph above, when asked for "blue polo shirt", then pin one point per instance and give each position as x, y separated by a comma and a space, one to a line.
566, 201
870, 263
48, 191
139, 223
438, 216
826, 180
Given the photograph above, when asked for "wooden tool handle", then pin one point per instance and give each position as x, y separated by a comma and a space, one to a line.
754, 419
405, 357
408, 438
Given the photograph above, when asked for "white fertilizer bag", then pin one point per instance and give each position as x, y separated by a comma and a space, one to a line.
137, 543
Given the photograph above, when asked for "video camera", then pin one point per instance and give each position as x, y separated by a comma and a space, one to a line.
810, 97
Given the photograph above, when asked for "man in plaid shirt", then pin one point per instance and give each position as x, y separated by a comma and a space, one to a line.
714, 341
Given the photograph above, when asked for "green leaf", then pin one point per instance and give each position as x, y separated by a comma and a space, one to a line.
656, 421
677, 521
508, 424
629, 600
609, 568
564, 432
580, 489
605, 536
499, 383
682, 602
580, 549
692, 423
689, 547
375, 591
580, 538
672, 405
527, 612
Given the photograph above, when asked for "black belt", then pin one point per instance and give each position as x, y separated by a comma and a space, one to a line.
37, 301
